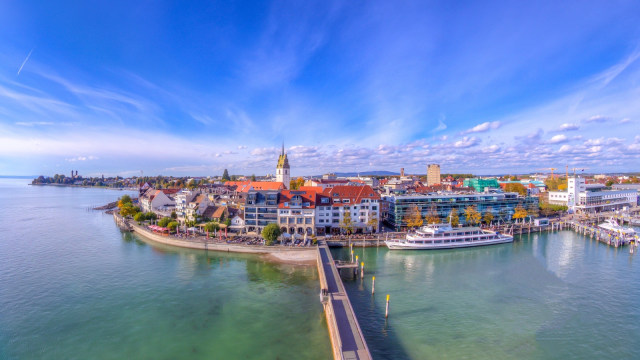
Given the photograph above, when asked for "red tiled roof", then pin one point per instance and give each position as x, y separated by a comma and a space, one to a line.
307, 196
355, 194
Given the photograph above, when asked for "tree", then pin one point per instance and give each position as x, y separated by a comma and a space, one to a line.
139, 216
513, 178
150, 216
413, 217
296, 184
432, 216
346, 223
164, 221
472, 216
270, 233
488, 217
227, 222
125, 199
128, 210
516, 187
520, 213
174, 215
173, 225
453, 218
212, 226
609, 183
253, 177
373, 222
225, 175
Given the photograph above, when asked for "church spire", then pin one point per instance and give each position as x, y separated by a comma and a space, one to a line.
282, 147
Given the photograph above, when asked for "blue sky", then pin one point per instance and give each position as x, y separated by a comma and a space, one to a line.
191, 88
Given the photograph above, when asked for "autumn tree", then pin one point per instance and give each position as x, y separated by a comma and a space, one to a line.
296, 184
488, 217
432, 216
413, 217
125, 199
520, 213
472, 216
453, 218
516, 187
346, 223
373, 223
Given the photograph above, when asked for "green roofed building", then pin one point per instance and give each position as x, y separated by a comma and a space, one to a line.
480, 185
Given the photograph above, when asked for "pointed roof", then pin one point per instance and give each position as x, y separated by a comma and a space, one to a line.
283, 162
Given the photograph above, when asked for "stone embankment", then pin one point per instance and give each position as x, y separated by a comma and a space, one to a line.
283, 254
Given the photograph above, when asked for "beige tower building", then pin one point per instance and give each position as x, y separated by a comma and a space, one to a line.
433, 174
283, 171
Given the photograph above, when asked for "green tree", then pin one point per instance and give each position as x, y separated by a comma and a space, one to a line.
346, 223
174, 215
139, 216
173, 225
453, 218
164, 221
128, 210
253, 177
125, 199
212, 226
609, 183
413, 217
227, 222
270, 233
472, 216
225, 175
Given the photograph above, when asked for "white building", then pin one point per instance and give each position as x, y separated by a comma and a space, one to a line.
183, 198
283, 171
158, 201
589, 198
362, 204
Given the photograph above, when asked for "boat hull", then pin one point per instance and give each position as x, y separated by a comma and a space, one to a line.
396, 245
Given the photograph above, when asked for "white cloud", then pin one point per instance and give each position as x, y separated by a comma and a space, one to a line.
241, 147
466, 142
564, 148
569, 127
596, 118
485, 126
556, 139
441, 126
491, 149
625, 120
82, 158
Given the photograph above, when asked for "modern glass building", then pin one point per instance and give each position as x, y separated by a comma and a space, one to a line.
261, 209
501, 205
480, 185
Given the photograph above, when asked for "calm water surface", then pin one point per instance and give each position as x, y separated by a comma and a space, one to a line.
72, 286
546, 296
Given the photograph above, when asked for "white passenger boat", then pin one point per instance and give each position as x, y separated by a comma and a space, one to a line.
612, 225
443, 236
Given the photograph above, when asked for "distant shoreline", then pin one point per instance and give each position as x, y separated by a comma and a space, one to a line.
86, 186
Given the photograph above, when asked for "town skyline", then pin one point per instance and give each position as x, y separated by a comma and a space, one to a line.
176, 90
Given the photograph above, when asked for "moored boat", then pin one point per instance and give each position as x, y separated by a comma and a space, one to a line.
443, 236
612, 225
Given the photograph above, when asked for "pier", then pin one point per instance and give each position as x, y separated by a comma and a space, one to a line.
346, 336
602, 235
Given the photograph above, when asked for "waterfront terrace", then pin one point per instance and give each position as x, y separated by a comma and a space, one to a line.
501, 205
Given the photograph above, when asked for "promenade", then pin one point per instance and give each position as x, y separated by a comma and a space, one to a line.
346, 336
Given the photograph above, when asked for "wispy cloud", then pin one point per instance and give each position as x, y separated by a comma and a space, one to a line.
569, 127
485, 126
24, 62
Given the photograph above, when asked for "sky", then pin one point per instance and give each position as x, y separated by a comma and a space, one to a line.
194, 87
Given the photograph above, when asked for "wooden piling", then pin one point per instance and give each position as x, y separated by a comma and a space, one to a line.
386, 312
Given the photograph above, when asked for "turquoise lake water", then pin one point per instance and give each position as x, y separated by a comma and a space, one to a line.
546, 296
72, 286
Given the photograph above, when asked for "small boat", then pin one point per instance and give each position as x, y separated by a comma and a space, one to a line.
612, 225
443, 236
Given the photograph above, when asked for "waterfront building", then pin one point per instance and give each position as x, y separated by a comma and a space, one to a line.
283, 171
590, 198
296, 211
481, 185
261, 209
182, 200
160, 202
237, 220
635, 187
501, 205
358, 204
433, 174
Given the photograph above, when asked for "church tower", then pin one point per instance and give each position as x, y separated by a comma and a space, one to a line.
283, 172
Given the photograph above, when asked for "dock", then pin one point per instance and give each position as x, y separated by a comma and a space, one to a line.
346, 336
602, 235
